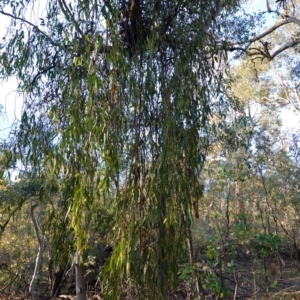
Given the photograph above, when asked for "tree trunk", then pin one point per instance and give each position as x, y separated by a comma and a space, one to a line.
80, 282
199, 287
239, 204
50, 260
57, 283
161, 240
40, 252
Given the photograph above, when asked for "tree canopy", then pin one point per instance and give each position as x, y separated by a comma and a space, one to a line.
123, 103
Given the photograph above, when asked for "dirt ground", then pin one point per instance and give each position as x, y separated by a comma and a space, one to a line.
248, 282
251, 282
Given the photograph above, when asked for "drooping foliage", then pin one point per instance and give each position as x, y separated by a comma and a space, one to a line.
118, 104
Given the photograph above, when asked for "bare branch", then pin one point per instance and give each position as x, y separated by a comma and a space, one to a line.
250, 52
284, 47
32, 25
259, 37
293, 19
265, 52
268, 6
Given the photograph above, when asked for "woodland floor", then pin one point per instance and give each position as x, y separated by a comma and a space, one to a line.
250, 284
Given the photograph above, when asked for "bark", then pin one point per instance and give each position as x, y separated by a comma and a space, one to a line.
227, 214
58, 279
161, 268
80, 282
2, 227
50, 262
239, 204
40, 252
199, 287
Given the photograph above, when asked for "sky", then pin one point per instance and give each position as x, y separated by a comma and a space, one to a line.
9, 97
12, 106
13, 103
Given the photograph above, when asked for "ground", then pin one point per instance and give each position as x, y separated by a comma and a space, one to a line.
248, 282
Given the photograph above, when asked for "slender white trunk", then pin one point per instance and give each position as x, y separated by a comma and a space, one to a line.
80, 282
38, 261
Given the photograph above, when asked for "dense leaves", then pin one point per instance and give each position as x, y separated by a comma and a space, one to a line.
118, 102
123, 104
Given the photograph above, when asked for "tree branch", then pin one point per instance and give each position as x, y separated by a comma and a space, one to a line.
2, 227
284, 47
67, 13
38, 262
45, 70
110, 8
266, 54
293, 19
214, 14
32, 25
259, 37
236, 46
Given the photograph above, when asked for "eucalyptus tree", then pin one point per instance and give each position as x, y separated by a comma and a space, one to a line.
276, 44
255, 184
118, 99
247, 40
